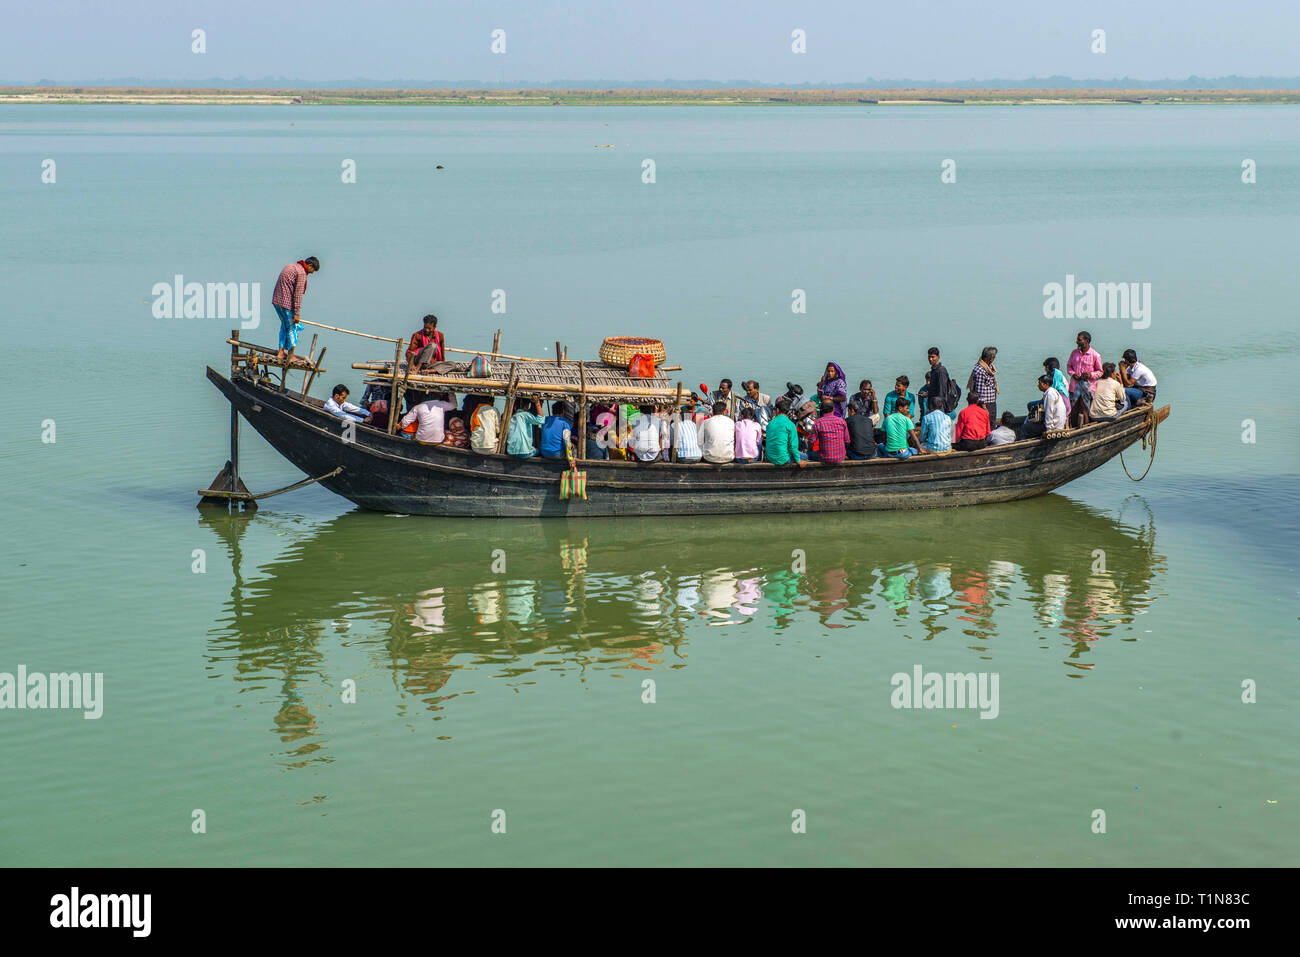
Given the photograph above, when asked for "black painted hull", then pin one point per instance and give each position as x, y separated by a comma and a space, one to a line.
391, 474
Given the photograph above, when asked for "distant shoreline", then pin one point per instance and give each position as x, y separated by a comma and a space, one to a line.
85, 95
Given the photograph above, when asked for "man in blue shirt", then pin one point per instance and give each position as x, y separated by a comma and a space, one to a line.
553, 428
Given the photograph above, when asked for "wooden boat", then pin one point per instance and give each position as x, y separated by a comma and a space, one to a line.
383, 471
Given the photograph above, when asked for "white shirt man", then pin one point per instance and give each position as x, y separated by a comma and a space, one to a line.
718, 438
430, 415
1056, 413
1141, 376
649, 436
484, 423
338, 404
1002, 436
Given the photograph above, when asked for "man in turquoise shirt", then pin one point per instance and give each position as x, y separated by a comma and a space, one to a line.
898, 396
781, 442
519, 441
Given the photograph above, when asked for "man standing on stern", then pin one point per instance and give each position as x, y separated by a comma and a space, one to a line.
287, 300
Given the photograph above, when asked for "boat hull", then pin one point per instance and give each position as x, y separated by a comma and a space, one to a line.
392, 474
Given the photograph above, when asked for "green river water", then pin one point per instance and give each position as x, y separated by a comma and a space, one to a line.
501, 665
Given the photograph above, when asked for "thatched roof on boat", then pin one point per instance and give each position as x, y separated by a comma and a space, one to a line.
543, 377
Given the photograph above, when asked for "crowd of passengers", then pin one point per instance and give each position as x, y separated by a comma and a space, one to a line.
748, 426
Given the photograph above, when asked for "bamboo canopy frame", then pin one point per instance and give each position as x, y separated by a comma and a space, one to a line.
556, 378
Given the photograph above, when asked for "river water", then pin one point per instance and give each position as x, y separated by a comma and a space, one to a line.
500, 667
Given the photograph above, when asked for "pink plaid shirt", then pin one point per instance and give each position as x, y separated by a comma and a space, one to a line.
290, 287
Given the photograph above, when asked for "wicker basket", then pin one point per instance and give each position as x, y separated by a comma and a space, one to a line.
619, 350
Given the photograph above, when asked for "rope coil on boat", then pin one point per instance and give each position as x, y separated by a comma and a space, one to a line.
1149, 428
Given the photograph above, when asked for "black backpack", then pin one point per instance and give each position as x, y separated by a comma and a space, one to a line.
953, 398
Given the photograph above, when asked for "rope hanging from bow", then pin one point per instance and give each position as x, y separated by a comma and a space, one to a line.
1149, 428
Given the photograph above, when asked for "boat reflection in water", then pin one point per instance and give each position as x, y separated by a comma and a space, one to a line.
425, 599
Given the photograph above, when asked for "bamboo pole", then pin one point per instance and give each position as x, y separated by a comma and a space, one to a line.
382, 370
509, 411
312, 376
496, 342
494, 355
677, 418
234, 430
393, 398
311, 351
350, 332
479, 385
559, 356
581, 451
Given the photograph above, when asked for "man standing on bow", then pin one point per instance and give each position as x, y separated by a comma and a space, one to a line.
287, 300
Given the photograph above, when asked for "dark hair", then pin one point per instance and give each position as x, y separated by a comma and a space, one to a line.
748, 413
1130, 355
431, 318
783, 404
1108, 368
1045, 380
903, 379
864, 382
935, 402
313, 262
973, 399
646, 409
340, 388
719, 407
902, 404
721, 381
932, 351
753, 382
989, 353
1008, 419
1086, 335
523, 402
1051, 363
562, 409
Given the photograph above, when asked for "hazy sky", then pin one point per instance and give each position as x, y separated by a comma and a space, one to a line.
847, 40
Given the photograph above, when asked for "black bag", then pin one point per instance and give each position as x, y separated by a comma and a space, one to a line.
953, 398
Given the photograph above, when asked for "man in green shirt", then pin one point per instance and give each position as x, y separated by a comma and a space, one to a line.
899, 432
519, 441
781, 442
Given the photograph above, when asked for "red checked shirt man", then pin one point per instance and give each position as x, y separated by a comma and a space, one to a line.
832, 436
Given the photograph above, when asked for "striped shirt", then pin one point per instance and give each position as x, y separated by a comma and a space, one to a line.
687, 439
985, 383
290, 287
936, 430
